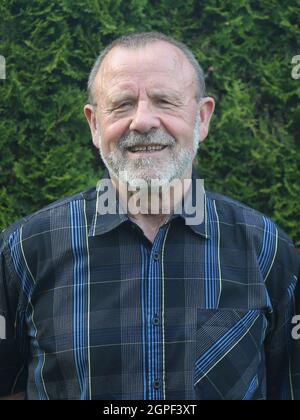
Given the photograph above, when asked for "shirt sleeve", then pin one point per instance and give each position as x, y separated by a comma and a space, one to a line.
13, 374
282, 345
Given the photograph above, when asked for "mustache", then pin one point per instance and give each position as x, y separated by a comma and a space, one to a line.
147, 139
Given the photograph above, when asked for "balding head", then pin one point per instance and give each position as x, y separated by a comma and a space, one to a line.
140, 40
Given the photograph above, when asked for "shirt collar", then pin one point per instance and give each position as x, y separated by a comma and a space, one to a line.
105, 223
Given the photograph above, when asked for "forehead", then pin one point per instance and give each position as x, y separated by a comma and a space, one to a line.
157, 64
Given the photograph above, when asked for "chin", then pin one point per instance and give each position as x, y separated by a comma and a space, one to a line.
151, 178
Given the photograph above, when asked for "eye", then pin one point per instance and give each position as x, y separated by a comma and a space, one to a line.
165, 103
123, 106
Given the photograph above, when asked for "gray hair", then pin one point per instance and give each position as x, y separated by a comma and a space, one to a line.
141, 39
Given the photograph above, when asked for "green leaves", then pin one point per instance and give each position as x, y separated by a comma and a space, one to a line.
245, 47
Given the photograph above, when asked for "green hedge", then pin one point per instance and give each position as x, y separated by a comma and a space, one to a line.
245, 47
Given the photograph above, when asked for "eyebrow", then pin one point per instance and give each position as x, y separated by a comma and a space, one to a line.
162, 94
117, 97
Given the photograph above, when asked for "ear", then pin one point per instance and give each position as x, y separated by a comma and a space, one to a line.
89, 112
207, 107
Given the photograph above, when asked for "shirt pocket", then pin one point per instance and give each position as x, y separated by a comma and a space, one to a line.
229, 361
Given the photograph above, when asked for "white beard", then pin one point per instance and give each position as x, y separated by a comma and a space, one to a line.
174, 166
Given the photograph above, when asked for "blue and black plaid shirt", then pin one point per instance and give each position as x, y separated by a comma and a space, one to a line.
94, 310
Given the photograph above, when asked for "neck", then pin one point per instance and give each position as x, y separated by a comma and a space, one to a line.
151, 207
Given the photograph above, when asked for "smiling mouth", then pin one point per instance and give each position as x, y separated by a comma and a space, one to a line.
150, 148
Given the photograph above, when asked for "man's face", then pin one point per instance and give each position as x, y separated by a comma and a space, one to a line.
149, 122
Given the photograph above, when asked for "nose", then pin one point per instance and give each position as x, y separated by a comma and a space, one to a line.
144, 118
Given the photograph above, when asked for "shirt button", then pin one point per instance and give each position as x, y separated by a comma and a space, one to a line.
155, 320
156, 384
156, 256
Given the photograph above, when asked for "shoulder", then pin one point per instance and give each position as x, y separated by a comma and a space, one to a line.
41, 221
254, 233
234, 212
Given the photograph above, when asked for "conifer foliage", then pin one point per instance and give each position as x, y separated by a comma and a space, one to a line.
246, 48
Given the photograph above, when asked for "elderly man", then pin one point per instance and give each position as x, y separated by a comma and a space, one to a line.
138, 304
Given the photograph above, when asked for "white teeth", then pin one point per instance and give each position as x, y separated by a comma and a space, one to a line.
146, 148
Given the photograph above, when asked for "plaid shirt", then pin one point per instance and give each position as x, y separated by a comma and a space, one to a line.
94, 310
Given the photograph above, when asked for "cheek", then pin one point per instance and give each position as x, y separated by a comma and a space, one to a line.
112, 132
180, 130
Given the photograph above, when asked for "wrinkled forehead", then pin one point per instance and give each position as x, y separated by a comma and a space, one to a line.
155, 61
